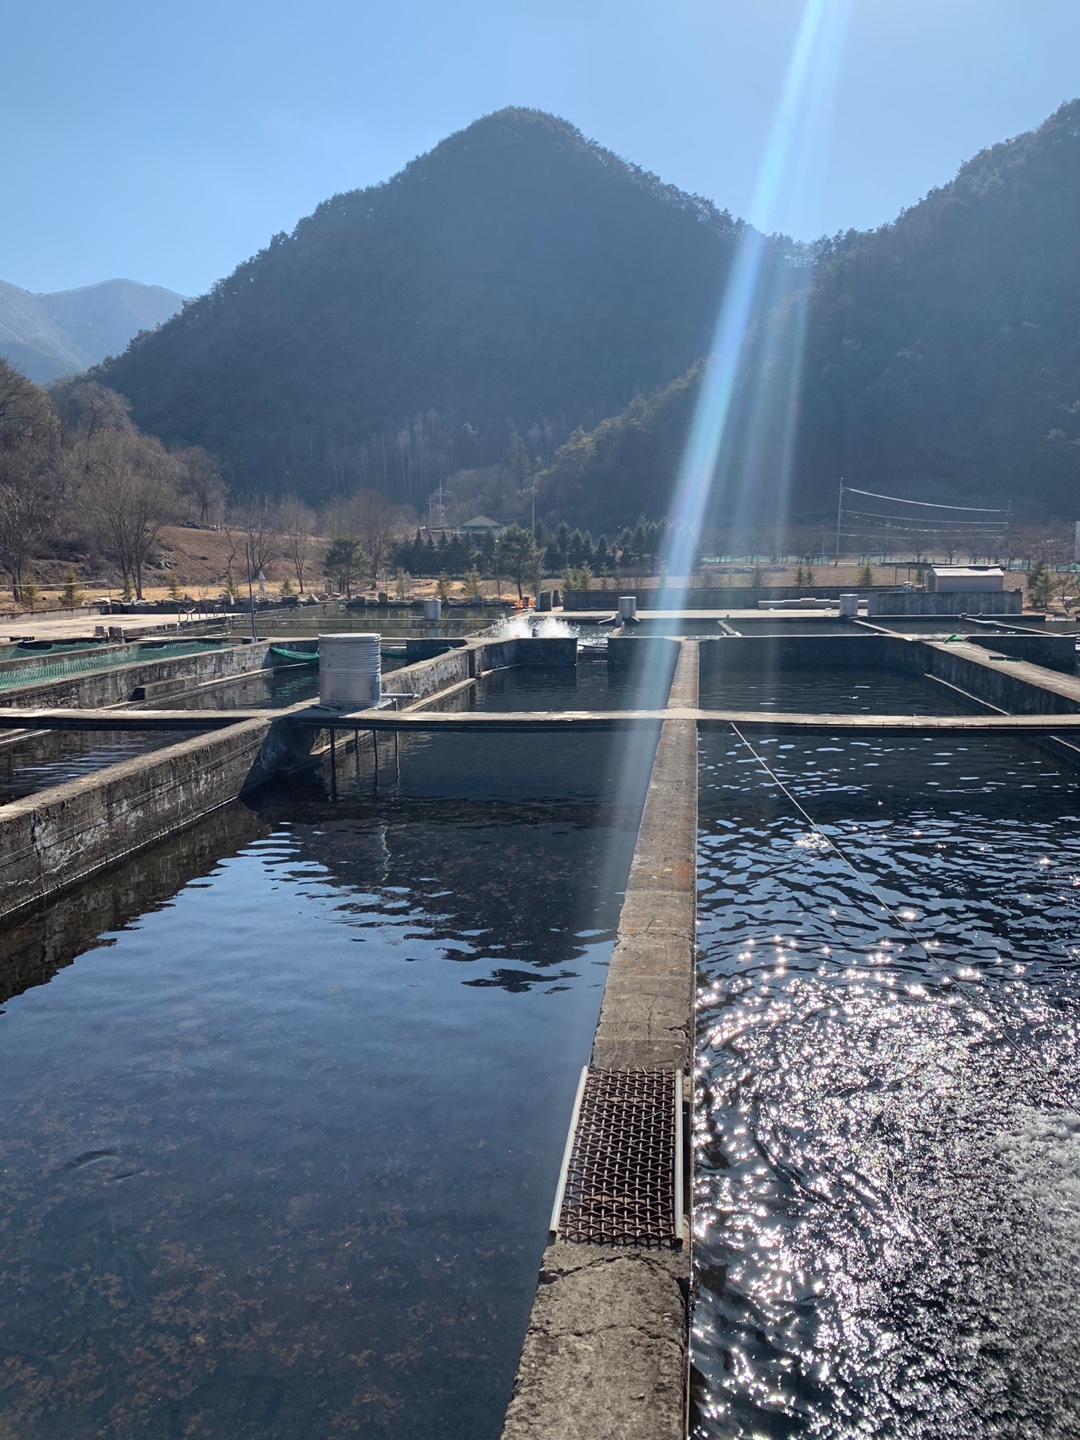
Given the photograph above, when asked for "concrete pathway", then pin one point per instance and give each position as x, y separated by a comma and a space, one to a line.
72, 625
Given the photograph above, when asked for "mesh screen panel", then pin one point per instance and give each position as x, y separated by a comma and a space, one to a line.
622, 1173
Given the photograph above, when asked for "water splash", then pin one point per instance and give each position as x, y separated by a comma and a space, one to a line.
540, 627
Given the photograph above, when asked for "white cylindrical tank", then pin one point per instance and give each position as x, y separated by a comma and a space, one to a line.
350, 671
432, 609
849, 607
627, 607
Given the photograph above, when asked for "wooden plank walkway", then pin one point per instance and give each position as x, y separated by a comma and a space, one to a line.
757, 721
537, 721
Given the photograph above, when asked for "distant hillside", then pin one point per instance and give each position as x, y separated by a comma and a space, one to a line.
516, 277
46, 336
941, 360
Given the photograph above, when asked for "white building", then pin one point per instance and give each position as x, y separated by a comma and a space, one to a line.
947, 579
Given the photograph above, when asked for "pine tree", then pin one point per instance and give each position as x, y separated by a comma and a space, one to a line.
517, 461
71, 595
29, 595
1040, 584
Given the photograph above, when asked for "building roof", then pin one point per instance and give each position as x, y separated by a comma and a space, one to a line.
955, 571
482, 522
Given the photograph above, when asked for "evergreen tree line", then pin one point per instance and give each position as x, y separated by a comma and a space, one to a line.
563, 550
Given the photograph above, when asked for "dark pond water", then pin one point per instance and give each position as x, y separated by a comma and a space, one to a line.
33, 762
839, 692
888, 1157
589, 685
762, 624
539, 765
799, 625
265, 690
283, 1112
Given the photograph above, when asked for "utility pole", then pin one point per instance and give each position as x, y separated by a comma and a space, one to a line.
251, 592
839, 517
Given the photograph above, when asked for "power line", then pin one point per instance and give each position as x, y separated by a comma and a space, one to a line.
905, 523
931, 504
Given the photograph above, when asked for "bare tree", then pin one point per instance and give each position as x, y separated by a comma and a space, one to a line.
131, 491
377, 524
83, 410
256, 519
296, 523
336, 519
201, 484
30, 474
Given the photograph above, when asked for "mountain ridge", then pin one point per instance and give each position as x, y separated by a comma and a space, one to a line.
515, 277
941, 354
520, 280
56, 333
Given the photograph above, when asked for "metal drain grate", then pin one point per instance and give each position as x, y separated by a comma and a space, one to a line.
621, 1181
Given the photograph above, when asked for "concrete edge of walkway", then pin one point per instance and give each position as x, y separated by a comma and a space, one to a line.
606, 1352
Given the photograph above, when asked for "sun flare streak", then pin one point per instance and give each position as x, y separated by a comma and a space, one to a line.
796, 142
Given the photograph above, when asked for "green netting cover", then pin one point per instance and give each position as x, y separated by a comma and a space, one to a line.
280, 652
36, 672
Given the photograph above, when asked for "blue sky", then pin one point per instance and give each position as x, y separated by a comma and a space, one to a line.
167, 142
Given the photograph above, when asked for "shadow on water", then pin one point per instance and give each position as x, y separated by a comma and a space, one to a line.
284, 1102
888, 1161
32, 951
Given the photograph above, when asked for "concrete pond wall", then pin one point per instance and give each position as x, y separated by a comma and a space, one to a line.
717, 597
119, 686
1014, 685
70, 832
67, 833
958, 602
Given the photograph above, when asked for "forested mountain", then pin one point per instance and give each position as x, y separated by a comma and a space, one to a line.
940, 358
520, 279
517, 277
47, 336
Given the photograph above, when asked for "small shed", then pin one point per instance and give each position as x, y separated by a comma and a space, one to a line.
948, 579
481, 525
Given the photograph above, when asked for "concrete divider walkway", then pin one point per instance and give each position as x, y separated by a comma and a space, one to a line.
605, 1355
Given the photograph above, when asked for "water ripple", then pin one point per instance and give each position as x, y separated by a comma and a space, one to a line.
887, 1187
